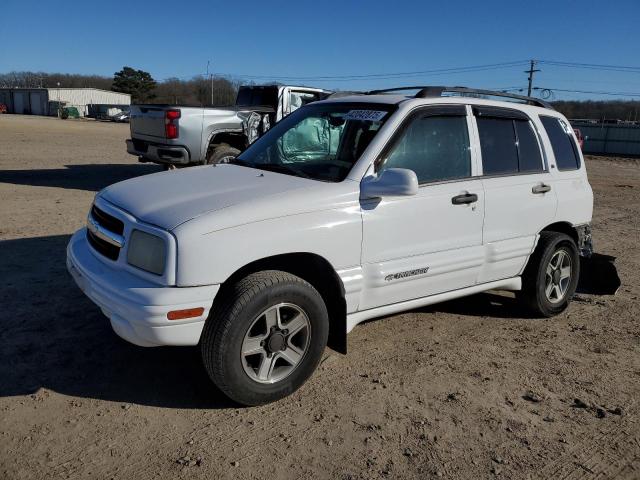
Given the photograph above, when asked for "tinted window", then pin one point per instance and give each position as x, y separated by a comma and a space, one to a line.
564, 148
257, 96
529, 156
435, 147
498, 144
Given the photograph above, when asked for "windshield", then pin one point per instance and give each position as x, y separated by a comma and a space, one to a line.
321, 142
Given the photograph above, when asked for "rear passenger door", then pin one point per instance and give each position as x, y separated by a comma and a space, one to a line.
519, 198
430, 242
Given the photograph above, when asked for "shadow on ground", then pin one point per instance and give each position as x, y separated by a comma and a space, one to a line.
92, 177
488, 304
598, 275
52, 336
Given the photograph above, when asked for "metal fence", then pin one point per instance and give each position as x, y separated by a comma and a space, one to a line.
610, 139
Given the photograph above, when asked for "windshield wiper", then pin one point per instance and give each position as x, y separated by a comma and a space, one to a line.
281, 168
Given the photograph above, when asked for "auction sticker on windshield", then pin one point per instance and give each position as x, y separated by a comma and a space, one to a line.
372, 115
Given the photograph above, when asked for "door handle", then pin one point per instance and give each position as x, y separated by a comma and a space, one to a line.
542, 188
464, 199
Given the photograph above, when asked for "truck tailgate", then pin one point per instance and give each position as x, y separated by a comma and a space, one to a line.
147, 121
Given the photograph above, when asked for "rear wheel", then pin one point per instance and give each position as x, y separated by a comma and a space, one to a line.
551, 277
222, 153
265, 338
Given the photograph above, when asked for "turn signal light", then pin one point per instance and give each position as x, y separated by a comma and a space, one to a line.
187, 313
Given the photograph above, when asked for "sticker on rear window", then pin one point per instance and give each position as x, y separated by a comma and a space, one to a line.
372, 115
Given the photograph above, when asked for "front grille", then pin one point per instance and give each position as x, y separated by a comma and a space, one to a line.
110, 251
107, 222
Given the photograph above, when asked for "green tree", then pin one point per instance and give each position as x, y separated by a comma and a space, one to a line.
138, 83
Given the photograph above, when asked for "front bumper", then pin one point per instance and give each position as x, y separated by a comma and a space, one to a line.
136, 307
174, 155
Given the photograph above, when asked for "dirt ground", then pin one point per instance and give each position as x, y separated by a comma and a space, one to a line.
466, 389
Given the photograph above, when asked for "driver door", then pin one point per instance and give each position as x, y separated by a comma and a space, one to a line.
429, 243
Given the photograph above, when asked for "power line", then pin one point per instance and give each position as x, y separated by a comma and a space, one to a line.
566, 90
389, 75
431, 72
376, 76
593, 66
617, 94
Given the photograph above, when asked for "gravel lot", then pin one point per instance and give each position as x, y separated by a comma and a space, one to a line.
465, 389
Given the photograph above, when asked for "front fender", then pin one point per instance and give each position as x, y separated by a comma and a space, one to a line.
207, 258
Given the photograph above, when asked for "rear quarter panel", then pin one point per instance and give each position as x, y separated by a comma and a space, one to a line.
573, 191
216, 121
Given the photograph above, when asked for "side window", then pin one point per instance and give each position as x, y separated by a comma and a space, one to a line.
564, 148
498, 145
299, 99
509, 145
529, 156
436, 148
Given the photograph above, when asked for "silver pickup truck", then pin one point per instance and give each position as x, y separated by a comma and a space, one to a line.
181, 136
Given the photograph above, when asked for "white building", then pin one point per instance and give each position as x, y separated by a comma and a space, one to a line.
45, 101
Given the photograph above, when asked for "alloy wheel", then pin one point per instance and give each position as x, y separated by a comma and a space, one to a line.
275, 343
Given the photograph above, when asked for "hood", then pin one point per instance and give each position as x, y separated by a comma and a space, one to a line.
168, 199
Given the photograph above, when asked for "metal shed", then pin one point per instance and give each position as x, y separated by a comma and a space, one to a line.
610, 139
45, 101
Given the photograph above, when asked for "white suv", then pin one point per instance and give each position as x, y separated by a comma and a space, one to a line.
348, 209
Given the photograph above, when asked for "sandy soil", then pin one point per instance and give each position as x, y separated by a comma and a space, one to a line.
465, 389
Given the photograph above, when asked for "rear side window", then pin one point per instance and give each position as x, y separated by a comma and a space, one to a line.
529, 157
300, 99
564, 148
435, 147
498, 144
508, 145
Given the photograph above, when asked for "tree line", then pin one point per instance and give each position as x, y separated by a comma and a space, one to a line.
628, 110
196, 91
221, 91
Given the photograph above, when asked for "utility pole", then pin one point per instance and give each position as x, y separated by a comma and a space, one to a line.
210, 75
531, 71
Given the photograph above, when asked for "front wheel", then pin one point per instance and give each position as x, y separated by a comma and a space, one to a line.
265, 337
551, 276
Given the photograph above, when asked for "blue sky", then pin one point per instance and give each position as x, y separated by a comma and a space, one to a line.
331, 38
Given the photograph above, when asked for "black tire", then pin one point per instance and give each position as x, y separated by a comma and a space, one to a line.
534, 279
232, 317
221, 154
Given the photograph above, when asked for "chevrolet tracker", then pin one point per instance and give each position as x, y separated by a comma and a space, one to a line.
348, 209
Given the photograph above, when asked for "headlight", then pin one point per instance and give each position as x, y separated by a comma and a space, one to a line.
146, 252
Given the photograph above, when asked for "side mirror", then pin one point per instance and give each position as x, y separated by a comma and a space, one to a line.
393, 182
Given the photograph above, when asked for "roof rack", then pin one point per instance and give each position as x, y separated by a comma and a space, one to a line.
426, 91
